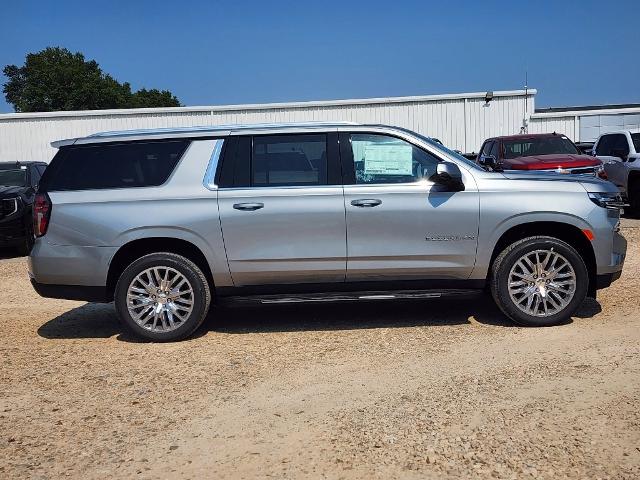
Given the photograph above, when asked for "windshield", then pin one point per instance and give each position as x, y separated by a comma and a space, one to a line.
636, 141
538, 146
13, 178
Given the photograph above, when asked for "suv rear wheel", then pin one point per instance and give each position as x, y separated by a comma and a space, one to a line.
162, 297
539, 281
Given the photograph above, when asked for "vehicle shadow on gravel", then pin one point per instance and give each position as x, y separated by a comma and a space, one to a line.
366, 315
100, 321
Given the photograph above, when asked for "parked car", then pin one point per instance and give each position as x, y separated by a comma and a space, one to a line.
165, 222
542, 152
18, 183
620, 153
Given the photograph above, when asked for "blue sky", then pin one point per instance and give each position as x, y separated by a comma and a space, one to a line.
207, 52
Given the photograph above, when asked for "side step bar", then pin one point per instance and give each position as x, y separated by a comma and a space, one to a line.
351, 296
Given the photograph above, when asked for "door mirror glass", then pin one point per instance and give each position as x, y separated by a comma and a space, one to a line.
448, 174
489, 162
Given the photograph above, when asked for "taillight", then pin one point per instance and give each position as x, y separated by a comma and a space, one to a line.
41, 214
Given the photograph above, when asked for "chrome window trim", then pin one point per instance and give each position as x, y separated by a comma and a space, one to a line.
210, 174
287, 187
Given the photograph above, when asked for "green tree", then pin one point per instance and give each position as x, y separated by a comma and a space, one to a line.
57, 79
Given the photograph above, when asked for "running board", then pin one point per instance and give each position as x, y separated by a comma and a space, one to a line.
352, 296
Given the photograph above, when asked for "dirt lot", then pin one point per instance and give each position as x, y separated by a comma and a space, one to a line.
379, 390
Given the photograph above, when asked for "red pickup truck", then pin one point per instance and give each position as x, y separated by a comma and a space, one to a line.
547, 151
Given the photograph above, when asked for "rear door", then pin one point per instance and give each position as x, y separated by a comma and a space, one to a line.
282, 212
400, 224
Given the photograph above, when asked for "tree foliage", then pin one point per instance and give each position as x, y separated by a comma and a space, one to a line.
57, 79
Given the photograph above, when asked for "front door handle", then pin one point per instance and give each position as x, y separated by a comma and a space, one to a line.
249, 207
366, 202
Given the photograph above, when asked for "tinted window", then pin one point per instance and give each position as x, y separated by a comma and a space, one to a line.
620, 144
384, 159
14, 177
108, 166
35, 176
280, 160
604, 145
539, 146
494, 150
636, 141
486, 148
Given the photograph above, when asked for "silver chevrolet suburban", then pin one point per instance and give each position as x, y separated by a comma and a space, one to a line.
165, 222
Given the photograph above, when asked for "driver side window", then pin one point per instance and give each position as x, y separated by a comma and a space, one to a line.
386, 159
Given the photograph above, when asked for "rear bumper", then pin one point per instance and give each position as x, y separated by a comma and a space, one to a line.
72, 292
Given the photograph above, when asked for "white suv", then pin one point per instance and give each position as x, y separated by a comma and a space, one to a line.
620, 154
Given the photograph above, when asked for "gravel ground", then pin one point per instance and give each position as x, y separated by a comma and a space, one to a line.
429, 389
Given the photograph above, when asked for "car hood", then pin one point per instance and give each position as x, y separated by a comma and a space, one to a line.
541, 162
590, 184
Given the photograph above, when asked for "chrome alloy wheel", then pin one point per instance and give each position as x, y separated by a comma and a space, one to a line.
160, 299
542, 283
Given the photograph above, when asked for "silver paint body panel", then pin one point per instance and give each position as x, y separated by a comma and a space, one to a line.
314, 234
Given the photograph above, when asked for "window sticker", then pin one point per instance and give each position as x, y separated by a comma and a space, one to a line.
388, 160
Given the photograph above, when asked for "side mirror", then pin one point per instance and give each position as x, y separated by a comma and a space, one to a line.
488, 161
448, 174
620, 153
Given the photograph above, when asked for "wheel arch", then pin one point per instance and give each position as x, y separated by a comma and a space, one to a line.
135, 249
566, 232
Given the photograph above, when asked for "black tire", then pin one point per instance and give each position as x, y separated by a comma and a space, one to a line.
190, 271
505, 261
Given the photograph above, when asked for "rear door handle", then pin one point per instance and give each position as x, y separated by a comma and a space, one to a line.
366, 202
248, 207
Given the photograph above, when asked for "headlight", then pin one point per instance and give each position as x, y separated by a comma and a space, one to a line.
611, 200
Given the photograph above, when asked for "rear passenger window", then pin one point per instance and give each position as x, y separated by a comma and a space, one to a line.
107, 166
281, 160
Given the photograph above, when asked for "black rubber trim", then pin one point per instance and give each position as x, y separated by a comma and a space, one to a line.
72, 292
606, 279
350, 287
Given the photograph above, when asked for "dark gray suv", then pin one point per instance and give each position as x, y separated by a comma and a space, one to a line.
164, 222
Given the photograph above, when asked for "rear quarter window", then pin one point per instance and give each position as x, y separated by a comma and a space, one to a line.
109, 166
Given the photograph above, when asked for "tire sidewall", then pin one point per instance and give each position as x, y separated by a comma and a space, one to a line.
186, 268
501, 289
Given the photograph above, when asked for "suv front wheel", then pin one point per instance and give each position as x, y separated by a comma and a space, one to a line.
539, 281
162, 297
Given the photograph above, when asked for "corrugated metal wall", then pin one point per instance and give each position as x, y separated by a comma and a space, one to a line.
460, 121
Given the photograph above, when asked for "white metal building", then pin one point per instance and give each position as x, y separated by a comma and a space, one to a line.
460, 121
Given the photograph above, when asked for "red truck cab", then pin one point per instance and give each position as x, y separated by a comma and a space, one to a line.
545, 151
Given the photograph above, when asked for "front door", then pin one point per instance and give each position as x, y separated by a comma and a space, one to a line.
286, 222
400, 224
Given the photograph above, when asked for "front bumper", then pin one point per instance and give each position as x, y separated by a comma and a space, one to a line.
13, 232
606, 279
